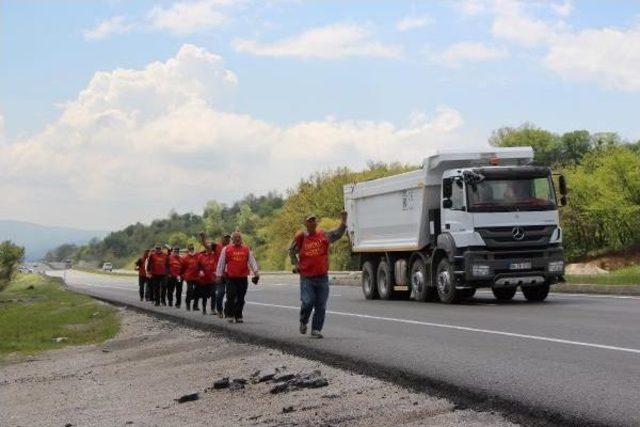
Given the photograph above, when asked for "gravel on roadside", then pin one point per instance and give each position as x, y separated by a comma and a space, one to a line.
158, 373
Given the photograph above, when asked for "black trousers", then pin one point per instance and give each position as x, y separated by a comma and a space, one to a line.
191, 294
236, 291
148, 290
203, 292
142, 283
158, 283
174, 286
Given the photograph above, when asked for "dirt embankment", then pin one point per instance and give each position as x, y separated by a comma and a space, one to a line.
137, 377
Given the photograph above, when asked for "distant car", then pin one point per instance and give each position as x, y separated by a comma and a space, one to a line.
107, 266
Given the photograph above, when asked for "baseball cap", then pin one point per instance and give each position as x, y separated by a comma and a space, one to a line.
310, 216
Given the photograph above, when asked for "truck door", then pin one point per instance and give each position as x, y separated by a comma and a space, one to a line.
455, 218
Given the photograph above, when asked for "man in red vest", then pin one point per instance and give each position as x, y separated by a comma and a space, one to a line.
207, 262
309, 254
142, 275
190, 273
235, 264
218, 288
174, 281
156, 268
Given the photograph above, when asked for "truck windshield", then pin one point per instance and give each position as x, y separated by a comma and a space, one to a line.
503, 195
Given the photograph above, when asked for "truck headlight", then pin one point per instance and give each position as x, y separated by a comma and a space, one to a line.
556, 266
480, 270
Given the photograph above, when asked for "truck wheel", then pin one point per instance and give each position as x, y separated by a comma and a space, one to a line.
369, 284
536, 293
445, 282
420, 289
504, 294
385, 281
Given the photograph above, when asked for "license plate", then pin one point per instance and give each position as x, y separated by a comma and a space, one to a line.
520, 266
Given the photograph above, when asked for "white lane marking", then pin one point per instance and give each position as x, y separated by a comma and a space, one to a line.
465, 328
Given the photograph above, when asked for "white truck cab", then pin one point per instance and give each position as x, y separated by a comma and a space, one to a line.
464, 220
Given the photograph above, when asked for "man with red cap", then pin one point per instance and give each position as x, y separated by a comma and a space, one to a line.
235, 264
190, 273
156, 268
309, 254
142, 276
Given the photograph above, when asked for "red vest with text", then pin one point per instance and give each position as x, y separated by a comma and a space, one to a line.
158, 263
208, 262
314, 254
175, 265
190, 268
237, 260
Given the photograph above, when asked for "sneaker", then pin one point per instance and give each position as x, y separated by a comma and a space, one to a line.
195, 308
220, 315
177, 305
188, 308
157, 304
231, 320
316, 334
239, 320
170, 304
303, 328
204, 311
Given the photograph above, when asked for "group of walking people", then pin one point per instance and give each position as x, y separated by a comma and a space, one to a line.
223, 269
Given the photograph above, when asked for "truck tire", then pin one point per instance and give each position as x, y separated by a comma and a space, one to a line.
420, 289
369, 282
445, 282
504, 294
384, 280
536, 293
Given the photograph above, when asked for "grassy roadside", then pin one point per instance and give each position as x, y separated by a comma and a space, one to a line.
623, 276
35, 310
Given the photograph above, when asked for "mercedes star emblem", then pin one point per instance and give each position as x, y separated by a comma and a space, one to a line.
517, 233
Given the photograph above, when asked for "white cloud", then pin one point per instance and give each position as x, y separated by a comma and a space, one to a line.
512, 23
470, 51
471, 7
2, 137
136, 143
608, 56
411, 22
188, 17
115, 25
330, 42
563, 9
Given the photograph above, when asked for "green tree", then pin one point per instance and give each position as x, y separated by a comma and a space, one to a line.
574, 145
546, 145
212, 218
10, 257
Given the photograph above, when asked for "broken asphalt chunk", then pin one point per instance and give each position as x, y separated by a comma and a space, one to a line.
188, 398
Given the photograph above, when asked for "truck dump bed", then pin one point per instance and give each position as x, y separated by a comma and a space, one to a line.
392, 214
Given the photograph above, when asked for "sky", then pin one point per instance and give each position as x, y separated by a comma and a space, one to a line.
115, 111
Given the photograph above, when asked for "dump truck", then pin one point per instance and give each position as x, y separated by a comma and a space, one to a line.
464, 220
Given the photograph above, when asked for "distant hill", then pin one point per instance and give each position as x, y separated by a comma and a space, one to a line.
38, 239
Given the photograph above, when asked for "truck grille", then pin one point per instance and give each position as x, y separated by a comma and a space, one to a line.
516, 236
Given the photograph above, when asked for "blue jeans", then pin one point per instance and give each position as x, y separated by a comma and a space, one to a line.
217, 296
314, 292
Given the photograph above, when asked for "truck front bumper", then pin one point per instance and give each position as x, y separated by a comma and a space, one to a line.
513, 267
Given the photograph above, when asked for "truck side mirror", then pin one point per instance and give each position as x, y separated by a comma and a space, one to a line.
446, 188
563, 185
447, 204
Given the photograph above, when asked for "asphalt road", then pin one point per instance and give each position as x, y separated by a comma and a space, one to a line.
573, 359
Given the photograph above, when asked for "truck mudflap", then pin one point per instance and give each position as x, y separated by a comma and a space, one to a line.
514, 267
